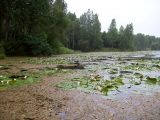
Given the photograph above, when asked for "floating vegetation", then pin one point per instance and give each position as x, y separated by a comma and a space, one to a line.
48, 61
104, 73
93, 84
53, 71
126, 72
16, 80
138, 75
137, 67
4, 67
68, 85
137, 82
156, 66
113, 71
132, 72
151, 81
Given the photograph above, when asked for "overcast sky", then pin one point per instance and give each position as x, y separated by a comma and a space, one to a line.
144, 14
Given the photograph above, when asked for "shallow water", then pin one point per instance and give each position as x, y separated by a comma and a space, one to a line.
134, 68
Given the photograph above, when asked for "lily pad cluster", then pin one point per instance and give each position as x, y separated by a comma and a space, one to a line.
48, 61
92, 84
16, 80
4, 67
52, 71
152, 80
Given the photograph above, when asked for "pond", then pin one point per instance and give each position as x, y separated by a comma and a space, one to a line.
116, 74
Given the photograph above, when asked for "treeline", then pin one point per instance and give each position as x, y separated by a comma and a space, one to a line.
44, 27
146, 42
33, 27
85, 34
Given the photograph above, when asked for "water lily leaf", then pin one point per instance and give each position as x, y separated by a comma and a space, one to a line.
4, 67
126, 72
119, 81
138, 75
151, 80
68, 85
113, 71
137, 83
157, 66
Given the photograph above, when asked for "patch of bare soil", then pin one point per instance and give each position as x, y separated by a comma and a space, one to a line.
43, 101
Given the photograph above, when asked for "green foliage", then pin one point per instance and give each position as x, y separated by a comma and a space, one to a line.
28, 45
16, 81
72, 32
93, 84
128, 37
67, 85
151, 81
112, 34
58, 48
64, 50
122, 39
155, 46
21, 23
90, 32
26, 20
146, 42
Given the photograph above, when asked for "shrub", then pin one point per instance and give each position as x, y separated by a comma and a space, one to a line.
58, 48
64, 50
28, 45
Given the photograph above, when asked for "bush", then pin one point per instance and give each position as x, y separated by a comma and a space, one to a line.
64, 50
58, 48
28, 45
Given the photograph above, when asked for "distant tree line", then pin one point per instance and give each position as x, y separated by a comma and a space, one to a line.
44, 27
85, 34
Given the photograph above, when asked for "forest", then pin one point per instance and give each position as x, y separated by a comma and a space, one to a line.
45, 27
